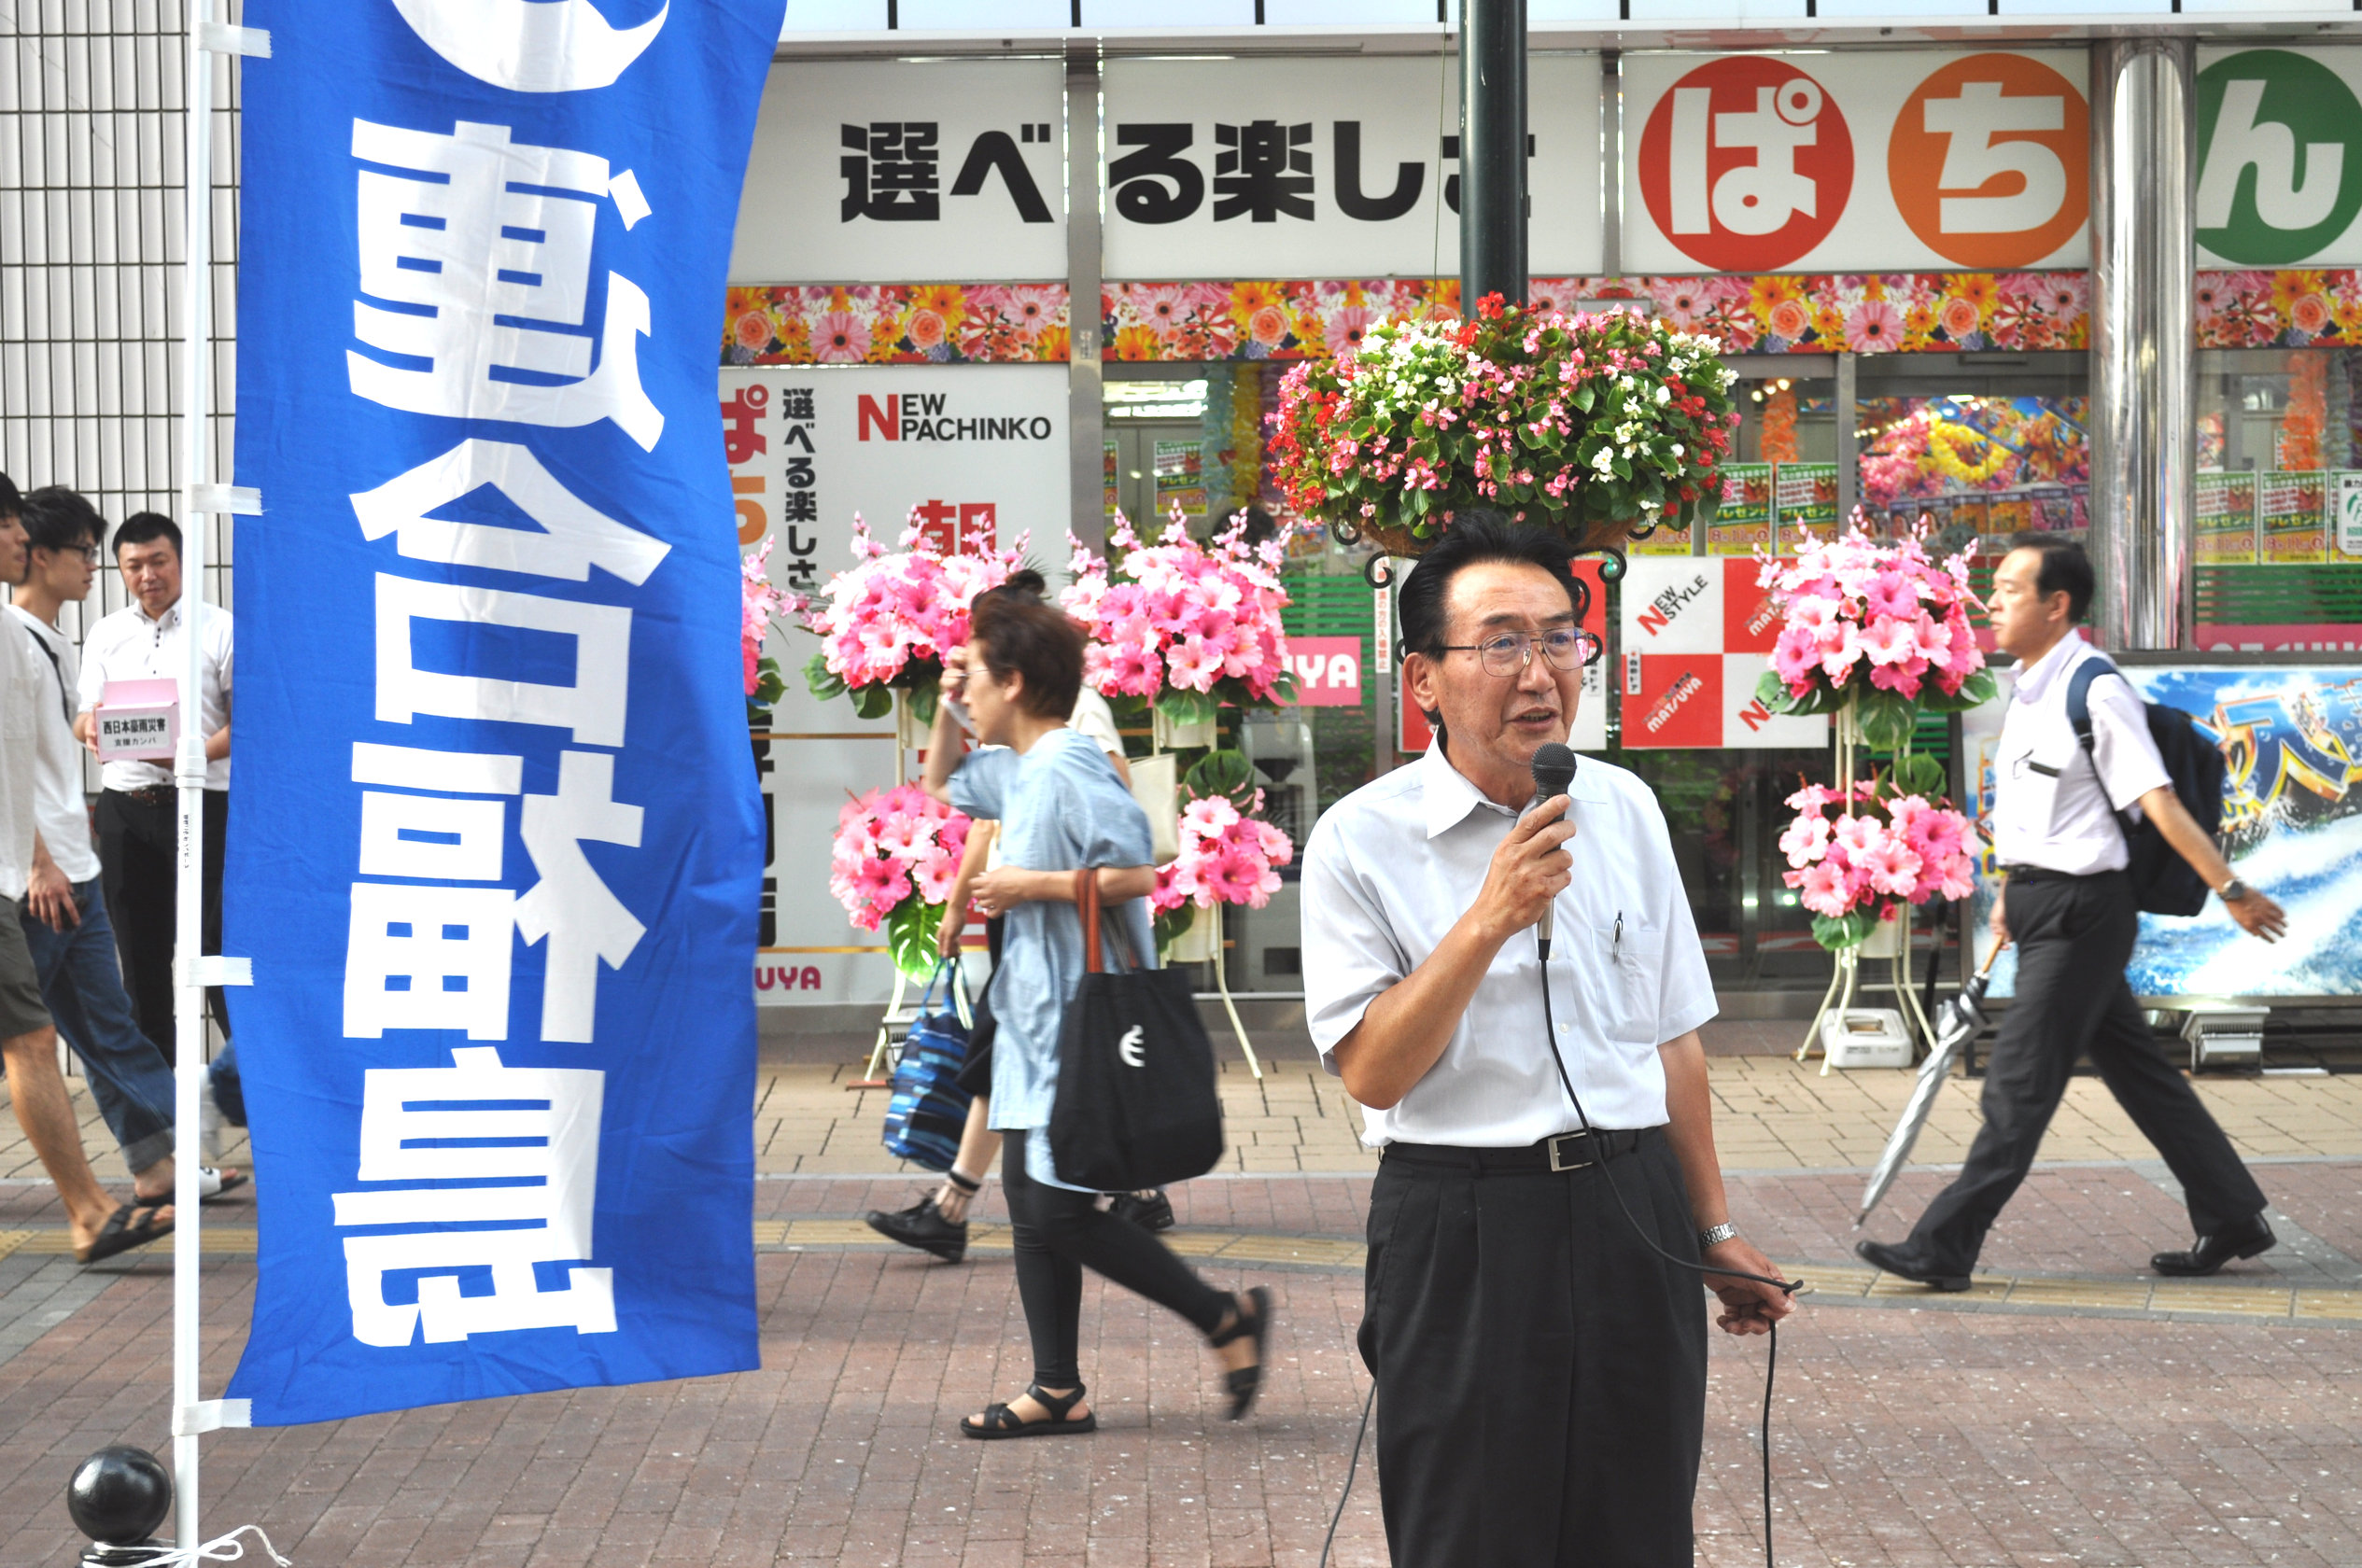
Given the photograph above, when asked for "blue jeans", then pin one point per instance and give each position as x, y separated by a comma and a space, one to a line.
82, 984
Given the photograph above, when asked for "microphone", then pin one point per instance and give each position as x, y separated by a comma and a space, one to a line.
1553, 774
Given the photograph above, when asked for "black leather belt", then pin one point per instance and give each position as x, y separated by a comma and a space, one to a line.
2031, 874
150, 795
1569, 1151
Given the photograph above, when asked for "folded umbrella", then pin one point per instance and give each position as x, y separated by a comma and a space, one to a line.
1956, 1024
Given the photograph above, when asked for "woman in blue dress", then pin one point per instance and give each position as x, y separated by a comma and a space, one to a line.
1060, 807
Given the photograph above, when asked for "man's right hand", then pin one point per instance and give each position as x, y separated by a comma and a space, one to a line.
1529, 869
955, 920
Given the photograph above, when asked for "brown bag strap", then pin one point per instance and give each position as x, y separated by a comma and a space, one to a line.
1086, 910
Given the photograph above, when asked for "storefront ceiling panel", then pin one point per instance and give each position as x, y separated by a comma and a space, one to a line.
1296, 168
902, 171
1851, 162
2279, 157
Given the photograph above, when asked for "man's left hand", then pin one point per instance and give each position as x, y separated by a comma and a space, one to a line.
50, 896
1747, 1308
2260, 917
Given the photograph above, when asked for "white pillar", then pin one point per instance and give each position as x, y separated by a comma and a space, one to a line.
2143, 263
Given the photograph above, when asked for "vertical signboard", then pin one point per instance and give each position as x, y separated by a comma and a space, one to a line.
495, 854
975, 455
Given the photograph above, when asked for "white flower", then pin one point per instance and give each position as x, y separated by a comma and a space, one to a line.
1665, 396
1677, 449
1604, 460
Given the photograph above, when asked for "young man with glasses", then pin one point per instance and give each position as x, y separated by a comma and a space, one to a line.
1541, 1371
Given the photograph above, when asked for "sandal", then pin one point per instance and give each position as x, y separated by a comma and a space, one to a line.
120, 1233
1243, 1383
213, 1183
1001, 1422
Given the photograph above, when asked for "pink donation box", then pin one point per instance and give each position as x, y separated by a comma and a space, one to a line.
139, 720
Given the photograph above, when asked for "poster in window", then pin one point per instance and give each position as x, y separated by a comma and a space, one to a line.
2226, 519
2292, 518
1180, 471
1742, 522
1805, 495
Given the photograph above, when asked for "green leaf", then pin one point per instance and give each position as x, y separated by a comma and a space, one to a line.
824, 683
1173, 925
1180, 707
1852, 931
1584, 397
1223, 772
911, 936
1772, 692
1887, 720
922, 702
1920, 775
873, 702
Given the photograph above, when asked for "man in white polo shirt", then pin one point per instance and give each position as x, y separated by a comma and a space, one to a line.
1540, 1363
2070, 908
138, 815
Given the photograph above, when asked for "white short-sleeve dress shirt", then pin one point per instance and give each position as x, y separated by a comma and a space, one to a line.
128, 646
60, 808
21, 670
1392, 866
2054, 806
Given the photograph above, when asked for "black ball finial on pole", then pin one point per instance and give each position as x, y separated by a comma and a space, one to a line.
118, 1497
1493, 197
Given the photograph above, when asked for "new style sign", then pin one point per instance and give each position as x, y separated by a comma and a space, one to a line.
907, 171
1836, 162
496, 853
1697, 636
1329, 168
975, 455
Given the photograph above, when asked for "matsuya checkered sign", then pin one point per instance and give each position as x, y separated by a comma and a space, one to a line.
495, 855
1697, 636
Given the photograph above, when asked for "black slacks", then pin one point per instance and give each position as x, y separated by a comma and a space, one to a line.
2074, 936
1057, 1234
1541, 1375
139, 876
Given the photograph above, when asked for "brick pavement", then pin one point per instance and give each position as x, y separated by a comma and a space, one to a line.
2074, 1414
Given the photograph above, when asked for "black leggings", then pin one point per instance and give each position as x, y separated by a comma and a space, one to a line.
1056, 1233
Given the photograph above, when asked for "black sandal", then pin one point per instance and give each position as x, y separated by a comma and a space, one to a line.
1245, 1382
1001, 1422
132, 1224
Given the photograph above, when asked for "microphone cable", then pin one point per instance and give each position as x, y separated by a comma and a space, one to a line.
1605, 1166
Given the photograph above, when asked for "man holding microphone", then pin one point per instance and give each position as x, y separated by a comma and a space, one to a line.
1540, 1364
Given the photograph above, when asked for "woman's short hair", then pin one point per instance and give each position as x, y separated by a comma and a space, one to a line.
1022, 636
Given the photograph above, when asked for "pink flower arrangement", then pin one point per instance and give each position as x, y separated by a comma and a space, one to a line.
1868, 616
760, 603
889, 620
1881, 850
1202, 618
1226, 857
892, 845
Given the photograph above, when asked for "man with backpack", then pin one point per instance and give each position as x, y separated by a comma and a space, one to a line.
2090, 826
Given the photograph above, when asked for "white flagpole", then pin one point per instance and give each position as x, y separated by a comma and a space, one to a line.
189, 769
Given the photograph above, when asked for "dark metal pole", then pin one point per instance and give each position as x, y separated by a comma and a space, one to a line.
1493, 200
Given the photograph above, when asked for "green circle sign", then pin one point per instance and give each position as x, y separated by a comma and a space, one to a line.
2280, 156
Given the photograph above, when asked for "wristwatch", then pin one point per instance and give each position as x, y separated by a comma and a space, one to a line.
2233, 891
1716, 1235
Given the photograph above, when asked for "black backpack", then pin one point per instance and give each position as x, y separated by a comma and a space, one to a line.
2163, 883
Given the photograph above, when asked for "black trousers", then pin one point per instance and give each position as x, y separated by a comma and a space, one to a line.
1058, 1233
139, 875
2074, 936
1541, 1375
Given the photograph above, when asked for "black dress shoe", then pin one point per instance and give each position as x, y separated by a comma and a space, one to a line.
2211, 1251
1907, 1266
1150, 1210
924, 1227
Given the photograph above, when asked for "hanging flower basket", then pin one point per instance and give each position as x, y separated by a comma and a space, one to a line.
884, 625
1874, 634
1601, 427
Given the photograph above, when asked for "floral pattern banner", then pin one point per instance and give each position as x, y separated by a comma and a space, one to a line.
897, 323
1283, 319
2304, 307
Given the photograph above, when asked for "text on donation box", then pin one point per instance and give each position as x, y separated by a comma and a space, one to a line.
137, 720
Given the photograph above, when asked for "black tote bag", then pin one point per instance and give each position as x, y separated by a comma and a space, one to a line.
1136, 1106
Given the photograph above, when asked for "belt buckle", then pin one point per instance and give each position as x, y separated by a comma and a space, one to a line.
1557, 1162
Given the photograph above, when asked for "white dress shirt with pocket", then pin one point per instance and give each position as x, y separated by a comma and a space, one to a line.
22, 672
2055, 805
128, 646
1393, 865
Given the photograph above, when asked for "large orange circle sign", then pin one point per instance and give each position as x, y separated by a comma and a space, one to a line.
1991, 160
1746, 163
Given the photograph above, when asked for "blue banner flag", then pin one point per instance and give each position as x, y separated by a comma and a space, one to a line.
496, 853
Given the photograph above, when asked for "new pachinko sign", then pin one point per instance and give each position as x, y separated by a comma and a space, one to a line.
495, 855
